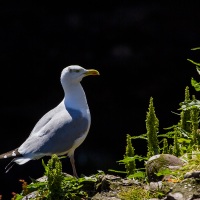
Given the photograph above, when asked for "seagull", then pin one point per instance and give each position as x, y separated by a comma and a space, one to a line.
61, 130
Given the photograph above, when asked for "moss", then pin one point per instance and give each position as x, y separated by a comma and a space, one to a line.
138, 193
190, 166
134, 193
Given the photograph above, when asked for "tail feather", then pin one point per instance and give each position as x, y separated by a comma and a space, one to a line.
9, 166
10, 154
18, 158
19, 161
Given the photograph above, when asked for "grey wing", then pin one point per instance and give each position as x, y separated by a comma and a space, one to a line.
58, 134
45, 119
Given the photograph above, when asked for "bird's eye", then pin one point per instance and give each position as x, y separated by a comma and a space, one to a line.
77, 70
70, 70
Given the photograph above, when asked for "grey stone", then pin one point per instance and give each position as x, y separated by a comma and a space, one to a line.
155, 185
188, 189
31, 196
175, 196
195, 174
161, 162
102, 196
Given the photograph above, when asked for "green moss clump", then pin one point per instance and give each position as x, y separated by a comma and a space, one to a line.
138, 193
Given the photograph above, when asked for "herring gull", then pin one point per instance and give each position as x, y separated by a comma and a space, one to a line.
61, 130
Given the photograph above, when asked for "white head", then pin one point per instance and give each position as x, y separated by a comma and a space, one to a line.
74, 74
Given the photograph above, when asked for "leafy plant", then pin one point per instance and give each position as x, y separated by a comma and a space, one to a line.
55, 178
165, 149
185, 134
176, 148
130, 162
57, 185
152, 124
130, 158
130, 166
185, 114
194, 83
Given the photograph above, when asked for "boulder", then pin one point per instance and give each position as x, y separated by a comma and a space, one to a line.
161, 162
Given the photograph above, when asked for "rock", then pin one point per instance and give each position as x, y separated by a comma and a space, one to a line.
160, 162
188, 189
175, 196
32, 195
155, 185
42, 179
107, 182
195, 174
105, 196
128, 182
153, 199
110, 187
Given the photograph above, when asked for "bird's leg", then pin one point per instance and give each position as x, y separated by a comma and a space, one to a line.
73, 165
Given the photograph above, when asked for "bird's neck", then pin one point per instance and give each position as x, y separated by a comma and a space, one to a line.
75, 97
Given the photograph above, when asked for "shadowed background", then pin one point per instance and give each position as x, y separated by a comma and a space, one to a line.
140, 50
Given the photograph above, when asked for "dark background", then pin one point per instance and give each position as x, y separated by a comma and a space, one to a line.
140, 50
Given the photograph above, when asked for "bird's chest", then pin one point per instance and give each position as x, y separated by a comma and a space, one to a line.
80, 121
79, 117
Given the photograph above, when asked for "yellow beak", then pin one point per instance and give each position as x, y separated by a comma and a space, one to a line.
91, 72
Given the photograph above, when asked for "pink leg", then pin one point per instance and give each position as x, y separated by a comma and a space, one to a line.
73, 165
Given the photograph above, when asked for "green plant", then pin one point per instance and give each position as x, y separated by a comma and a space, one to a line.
130, 166
185, 114
171, 149
176, 147
165, 146
152, 124
194, 124
58, 186
185, 134
138, 173
55, 177
194, 83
